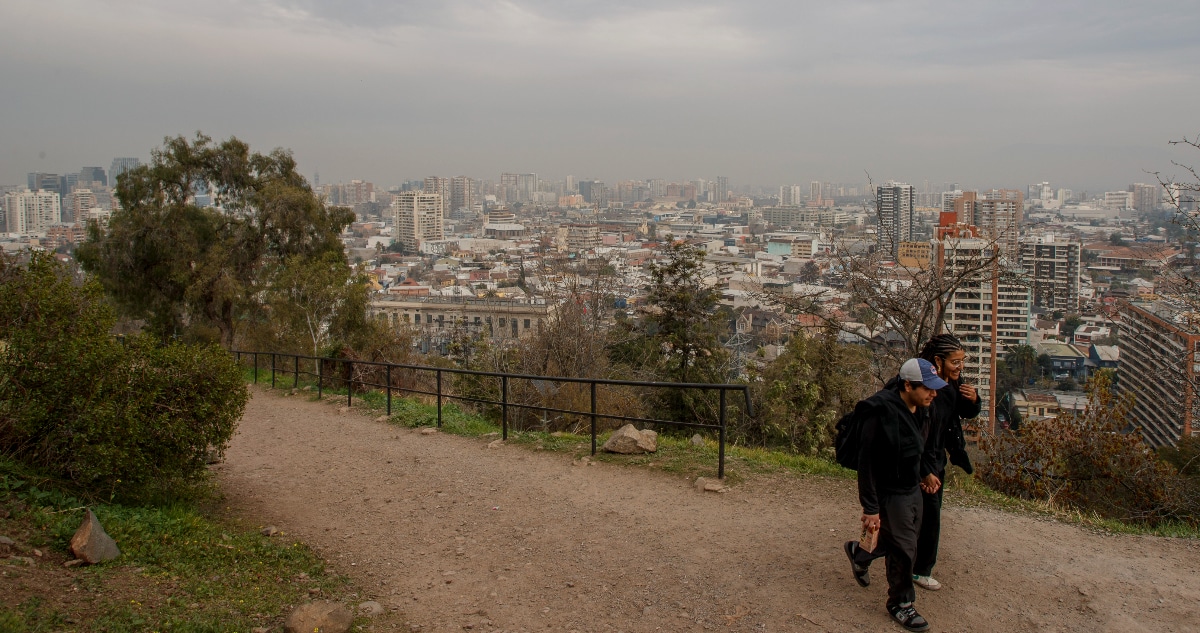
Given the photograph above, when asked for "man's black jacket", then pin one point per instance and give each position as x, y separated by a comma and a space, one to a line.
890, 447
945, 433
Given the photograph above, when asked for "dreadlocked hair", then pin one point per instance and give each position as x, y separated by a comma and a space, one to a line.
941, 346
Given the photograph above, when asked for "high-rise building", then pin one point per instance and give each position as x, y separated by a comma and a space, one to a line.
789, 196
894, 204
987, 314
1159, 346
38, 181
720, 187
31, 212
462, 193
438, 185
814, 191
1145, 197
1052, 265
92, 176
82, 201
358, 192
418, 217
120, 166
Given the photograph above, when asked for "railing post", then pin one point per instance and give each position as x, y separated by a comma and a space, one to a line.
349, 384
296, 371
721, 447
439, 398
272, 370
593, 418
256, 368
504, 407
320, 373
389, 390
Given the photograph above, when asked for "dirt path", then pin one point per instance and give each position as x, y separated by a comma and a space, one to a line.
459, 536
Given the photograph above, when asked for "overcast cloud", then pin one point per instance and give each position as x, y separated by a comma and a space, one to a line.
1084, 94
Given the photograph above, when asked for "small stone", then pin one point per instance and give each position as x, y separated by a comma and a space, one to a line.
7, 546
343, 409
371, 608
312, 591
270, 530
73, 563
429, 430
495, 443
705, 484
697, 440
38, 553
628, 440
91, 544
260, 629
21, 560
326, 617
382, 418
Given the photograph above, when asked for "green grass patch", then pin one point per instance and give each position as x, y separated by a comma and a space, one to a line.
182, 568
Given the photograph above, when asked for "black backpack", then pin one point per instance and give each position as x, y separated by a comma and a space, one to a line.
848, 429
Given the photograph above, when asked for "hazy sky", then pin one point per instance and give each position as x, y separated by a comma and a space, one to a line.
997, 93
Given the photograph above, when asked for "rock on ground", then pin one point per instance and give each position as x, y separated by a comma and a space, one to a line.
627, 440
319, 617
91, 544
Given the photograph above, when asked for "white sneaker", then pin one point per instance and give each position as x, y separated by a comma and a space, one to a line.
927, 582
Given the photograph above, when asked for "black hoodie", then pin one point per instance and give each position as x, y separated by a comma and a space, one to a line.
891, 443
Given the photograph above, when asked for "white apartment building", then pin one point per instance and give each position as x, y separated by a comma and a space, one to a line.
418, 217
31, 212
988, 315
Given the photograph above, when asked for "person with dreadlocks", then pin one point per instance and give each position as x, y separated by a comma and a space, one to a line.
954, 403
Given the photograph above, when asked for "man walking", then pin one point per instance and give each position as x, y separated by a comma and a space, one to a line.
891, 441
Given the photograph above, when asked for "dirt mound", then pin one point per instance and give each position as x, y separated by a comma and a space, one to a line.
459, 536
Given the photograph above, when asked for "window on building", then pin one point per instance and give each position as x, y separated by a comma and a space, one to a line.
526, 324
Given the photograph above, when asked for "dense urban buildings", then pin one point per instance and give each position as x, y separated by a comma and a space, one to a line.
418, 217
894, 204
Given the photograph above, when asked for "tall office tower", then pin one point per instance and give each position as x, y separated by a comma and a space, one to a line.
701, 186
38, 181
1052, 264
1160, 364
30, 212
987, 315
92, 176
418, 217
569, 184
814, 191
658, 187
462, 193
82, 201
720, 187
1145, 197
894, 204
120, 166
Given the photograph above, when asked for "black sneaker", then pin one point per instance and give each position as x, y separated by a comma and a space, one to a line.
906, 616
862, 575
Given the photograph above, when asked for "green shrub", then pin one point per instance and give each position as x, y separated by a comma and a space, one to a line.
108, 416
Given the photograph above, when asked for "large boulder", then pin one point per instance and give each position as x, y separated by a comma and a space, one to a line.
627, 440
319, 617
91, 543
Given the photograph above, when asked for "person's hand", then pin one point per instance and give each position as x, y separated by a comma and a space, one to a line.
870, 522
930, 484
968, 392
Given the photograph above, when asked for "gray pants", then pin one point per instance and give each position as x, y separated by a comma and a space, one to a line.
900, 526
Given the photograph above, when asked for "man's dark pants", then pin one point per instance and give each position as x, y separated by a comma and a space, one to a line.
900, 525
931, 531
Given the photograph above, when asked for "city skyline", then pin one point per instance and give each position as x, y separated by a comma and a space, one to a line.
766, 94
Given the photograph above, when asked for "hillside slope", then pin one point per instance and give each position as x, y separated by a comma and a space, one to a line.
457, 535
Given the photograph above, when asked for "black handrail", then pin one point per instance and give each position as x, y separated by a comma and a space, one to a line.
504, 403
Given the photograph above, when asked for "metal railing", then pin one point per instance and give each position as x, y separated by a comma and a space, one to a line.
504, 402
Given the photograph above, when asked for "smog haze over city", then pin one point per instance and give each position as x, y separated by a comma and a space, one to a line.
1085, 94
